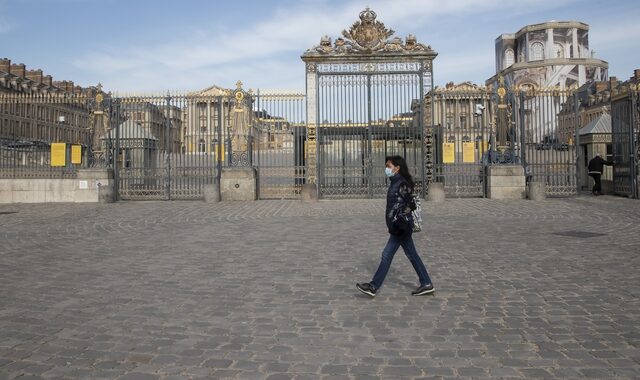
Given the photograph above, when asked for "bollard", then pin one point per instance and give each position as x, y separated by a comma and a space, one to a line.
212, 193
309, 193
105, 193
436, 192
537, 191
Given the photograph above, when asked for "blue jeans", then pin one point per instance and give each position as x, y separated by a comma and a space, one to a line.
406, 241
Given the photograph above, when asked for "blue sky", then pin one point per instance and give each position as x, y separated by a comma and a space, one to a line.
159, 45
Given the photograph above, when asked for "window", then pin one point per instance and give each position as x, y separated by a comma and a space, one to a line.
449, 122
201, 146
463, 122
202, 115
537, 51
559, 50
509, 58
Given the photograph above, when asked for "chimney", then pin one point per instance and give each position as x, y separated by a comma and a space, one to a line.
48, 80
613, 82
65, 85
35, 75
601, 86
18, 70
5, 65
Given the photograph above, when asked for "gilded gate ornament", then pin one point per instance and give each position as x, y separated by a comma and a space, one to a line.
367, 36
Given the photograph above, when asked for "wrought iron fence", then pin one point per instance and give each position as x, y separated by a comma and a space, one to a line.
462, 132
545, 140
31, 125
625, 133
280, 143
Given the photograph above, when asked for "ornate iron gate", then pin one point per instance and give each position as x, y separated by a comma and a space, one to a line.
625, 130
364, 118
364, 102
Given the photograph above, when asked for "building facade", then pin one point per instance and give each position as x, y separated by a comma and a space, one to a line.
36, 111
550, 54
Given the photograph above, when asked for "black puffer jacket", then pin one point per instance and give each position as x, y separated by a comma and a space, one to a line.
596, 164
398, 210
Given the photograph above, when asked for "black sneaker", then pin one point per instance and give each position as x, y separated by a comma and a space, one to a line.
367, 289
423, 289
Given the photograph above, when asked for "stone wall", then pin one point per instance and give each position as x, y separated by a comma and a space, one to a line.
91, 185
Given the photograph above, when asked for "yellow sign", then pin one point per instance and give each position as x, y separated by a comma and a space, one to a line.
76, 154
58, 154
468, 152
448, 153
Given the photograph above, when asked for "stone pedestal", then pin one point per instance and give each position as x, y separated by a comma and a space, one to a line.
537, 191
238, 184
309, 192
436, 192
506, 182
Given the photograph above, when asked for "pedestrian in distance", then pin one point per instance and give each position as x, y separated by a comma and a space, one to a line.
595, 171
400, 203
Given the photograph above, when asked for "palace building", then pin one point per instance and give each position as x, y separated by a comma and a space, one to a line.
550, 54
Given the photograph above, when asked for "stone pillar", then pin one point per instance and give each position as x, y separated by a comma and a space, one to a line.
506, 182
549, 51
312, 122
239, 184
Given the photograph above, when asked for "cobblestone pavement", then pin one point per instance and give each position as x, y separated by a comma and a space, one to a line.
266, 290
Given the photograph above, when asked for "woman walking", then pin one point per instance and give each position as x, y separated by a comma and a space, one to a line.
398, 218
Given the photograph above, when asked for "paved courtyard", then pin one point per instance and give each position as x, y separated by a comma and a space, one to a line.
265, 290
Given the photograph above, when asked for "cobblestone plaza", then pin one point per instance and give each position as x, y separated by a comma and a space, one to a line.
266, 290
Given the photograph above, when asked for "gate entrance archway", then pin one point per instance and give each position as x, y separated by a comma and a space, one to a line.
364, 102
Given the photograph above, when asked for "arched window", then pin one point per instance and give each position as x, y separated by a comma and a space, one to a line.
537, 51
509, 58
559, 50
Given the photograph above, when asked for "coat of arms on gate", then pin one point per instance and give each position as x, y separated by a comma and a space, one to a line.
368, 34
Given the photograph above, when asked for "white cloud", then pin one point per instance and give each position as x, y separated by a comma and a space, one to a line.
192, 60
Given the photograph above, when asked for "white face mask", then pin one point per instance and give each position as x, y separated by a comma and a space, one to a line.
388, 172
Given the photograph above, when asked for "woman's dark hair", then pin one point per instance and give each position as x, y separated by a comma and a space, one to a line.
404, 169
